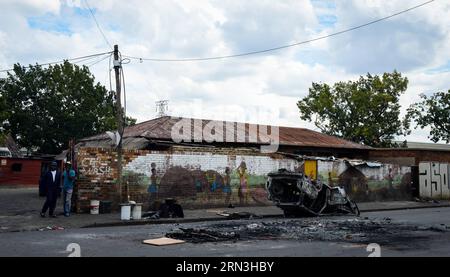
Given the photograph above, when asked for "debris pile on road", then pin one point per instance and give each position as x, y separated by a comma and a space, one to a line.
238, 215
170, 209
51, 228
202, 235
354, 230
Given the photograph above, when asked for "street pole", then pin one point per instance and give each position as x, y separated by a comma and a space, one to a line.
117, 66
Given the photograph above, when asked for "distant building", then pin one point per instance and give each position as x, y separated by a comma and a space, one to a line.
18, 170
412, 153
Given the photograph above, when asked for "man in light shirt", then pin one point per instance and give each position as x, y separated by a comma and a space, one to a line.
51, 185
68, 182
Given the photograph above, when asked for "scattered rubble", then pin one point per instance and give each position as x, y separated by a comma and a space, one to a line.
355, 230
170, 209
238, 215
426, 200
51, 228
202, 235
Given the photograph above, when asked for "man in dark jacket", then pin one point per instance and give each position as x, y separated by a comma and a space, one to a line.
51, 184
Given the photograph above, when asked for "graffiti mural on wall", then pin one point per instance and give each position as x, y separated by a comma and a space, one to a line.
205, 178
368, 181
218, 179
433, 180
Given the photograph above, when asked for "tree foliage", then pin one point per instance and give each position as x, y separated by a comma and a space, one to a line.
434, 112
45, 108
364, 111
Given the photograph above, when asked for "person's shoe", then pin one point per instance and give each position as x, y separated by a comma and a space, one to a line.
42, 214
53, 216
66, 215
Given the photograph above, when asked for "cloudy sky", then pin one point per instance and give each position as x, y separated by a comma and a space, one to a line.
259, 89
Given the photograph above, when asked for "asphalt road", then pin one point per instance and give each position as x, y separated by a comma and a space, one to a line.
422, 232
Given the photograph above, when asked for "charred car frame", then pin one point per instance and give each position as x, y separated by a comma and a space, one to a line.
298, 195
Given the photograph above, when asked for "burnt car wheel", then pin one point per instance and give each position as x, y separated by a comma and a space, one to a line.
277, 190
289, 213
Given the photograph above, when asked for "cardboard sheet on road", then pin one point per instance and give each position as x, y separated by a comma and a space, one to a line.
163, 241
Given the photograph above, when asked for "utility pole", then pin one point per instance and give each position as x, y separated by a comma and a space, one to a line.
117, 67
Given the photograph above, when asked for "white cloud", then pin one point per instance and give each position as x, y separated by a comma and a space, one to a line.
407, 42
261, 88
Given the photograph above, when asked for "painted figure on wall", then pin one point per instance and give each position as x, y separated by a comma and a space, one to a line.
227, 187
243, 183
153, 187
390, 178
212, 180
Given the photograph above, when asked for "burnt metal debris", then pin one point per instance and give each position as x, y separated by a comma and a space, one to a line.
298, 195
202, 235
331, 229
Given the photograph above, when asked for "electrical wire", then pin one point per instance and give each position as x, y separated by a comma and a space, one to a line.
75, 60
98, 25
98, 61
85, 60
283, 46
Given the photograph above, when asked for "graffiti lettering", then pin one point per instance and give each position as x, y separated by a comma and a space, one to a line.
93, 166
433, 180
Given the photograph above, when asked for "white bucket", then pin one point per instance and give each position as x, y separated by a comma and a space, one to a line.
137, 211
125, 212
95, 204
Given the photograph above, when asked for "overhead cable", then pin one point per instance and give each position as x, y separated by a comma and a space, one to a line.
75, 60
283, 46
98, 25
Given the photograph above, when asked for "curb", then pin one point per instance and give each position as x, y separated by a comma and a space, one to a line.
170, 221
210, 219
406, 208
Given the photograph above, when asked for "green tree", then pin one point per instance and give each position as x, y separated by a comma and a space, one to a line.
3, 109
364, 111
45, 108
434, 112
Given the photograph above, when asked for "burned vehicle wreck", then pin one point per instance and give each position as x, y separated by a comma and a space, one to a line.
297, 195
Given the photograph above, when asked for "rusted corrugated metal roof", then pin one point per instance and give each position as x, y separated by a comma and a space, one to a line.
161, 129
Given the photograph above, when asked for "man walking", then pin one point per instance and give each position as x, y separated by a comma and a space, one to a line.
68, 182
51, 185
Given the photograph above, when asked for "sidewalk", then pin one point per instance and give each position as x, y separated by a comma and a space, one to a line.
19, 211
261, 212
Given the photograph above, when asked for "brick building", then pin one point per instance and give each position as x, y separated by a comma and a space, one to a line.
230, 167
20, 171
430, 166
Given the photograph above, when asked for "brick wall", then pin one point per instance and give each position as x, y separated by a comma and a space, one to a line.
196, 177
97, 174
378, 182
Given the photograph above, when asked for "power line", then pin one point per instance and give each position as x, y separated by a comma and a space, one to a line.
98, 25
89, 59
283, 46
61, 61
98, 61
